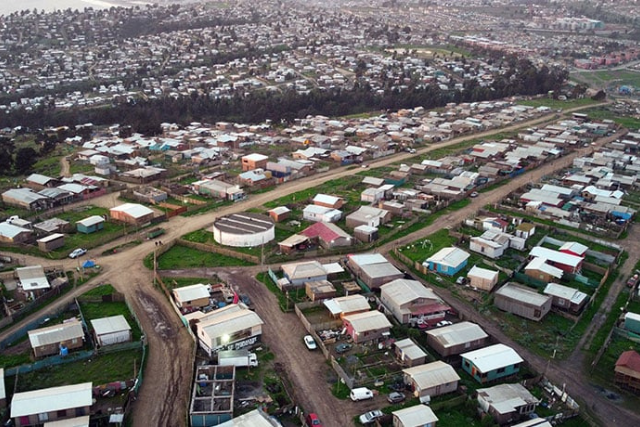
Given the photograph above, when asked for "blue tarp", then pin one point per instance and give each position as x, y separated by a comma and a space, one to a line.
88, 264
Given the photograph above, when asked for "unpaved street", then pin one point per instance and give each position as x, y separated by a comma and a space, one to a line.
166, 388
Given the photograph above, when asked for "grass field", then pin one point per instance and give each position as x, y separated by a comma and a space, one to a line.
184, 257
605, 78
97, 310
604, 114
557, 104
102, 369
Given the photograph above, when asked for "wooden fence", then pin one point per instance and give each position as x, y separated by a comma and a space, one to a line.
219, 250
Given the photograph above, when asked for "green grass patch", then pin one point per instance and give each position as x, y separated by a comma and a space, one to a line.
422, 249
49, 166
99, 291
180, 282
334, 186
9, 360
285, 301
98, 310
557, 104
102, 369
184, 257
602, 113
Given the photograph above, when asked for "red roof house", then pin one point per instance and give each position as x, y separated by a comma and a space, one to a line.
328, 235
627, 371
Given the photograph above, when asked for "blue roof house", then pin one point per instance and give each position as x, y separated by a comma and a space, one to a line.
448, 261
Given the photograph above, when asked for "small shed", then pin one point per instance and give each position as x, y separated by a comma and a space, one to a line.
482, 278
409, 353
458, 338
627, 371
321, 290
191, 296
632, 322
432, 379
51, 242
280, 213
90, 225
522, 301
365, 233
54, 339
415, 416
111, 330
368, 326
566, 298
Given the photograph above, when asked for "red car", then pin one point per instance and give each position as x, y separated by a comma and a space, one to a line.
313, 420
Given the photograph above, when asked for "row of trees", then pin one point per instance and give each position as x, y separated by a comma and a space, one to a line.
520, 78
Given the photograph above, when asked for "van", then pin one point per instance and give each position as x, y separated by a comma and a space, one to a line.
361, 393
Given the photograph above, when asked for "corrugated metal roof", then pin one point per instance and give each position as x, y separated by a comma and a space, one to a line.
565, 292
367, 259
385, 269
417, 415
493, 357
450, 256
228, 320
402, 291
541, 264
432, 374
51, 399
506, 398
71, 422
305, 269
368, 321
482, 273
192, 292
410, 348
56, 334
11, 231
133, 209
326, 198
347, 304
92, 220
456, 334
108, 325
32, 278
522, 294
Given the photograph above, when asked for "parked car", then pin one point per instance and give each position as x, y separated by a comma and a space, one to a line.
312, 420
474, 194
395, 397
310, 342
77, 253
343, 347
371, 416
443, 323
361, 393
633, 280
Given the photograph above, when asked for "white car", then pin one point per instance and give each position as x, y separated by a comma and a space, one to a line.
310, 342
443, 323
77, 253
370, 417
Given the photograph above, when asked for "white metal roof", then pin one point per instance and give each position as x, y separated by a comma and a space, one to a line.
506, 398
347, 304
191, 292
255, 418
368, 321
3, 391
432, 374
458, 333
280, 210
417, 415
133, 209
92, 220
109, 325
450, 256
541, 264
482, 273
50, 238
383, 269
255, 157
333, 268
565, 292
56, 333
402, 291
10, 231
410, 348
70, 422
51, 399
632, 316
367, 259
325, 198
556, 256
493, 357
32, 278
228, 320
304, 269
575, 247
523, 294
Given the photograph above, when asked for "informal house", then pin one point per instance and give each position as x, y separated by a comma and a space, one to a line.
491, 363
409, 302
522, 301
507, 403
367, 326
111, 330
37, 407
56, 339
448, 261
456, 339
432, 379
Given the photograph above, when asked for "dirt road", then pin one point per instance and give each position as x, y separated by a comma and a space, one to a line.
165, 391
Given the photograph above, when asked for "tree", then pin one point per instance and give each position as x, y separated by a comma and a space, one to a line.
25, 159
6, 161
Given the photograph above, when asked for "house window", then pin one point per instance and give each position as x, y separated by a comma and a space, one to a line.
43, 417
467, 345
62, 413
560, 302
537, 313
500, 370
80, 412
466, 364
